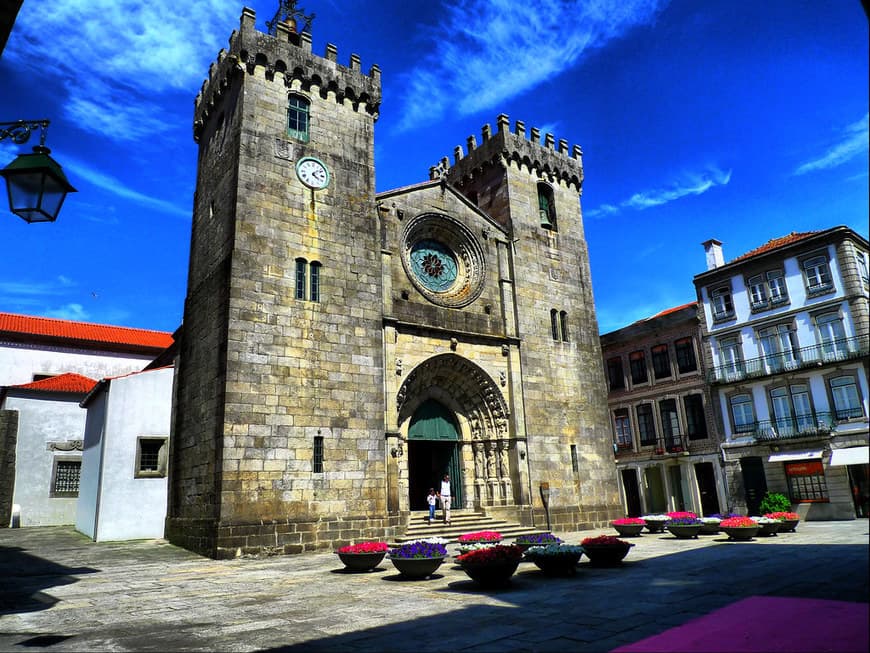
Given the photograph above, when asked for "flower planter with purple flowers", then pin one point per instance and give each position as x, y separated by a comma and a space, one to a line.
417, 560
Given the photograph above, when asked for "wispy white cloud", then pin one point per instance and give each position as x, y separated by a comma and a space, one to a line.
117, 187
853, 142
694, 183
115, 56
485, 53
68, 312
17, 289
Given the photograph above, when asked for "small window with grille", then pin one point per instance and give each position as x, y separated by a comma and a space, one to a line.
65, 478
151, 457
318, 454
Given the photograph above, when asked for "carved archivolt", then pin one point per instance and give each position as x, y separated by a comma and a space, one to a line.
475, 393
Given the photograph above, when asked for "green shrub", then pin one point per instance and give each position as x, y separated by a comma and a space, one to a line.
774, 502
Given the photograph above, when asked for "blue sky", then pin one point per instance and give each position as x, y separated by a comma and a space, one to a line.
736, 120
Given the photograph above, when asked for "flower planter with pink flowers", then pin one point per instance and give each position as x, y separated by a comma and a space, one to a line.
364, 556
788, 520
480, 537
605, 550
492, 566
628, 526
741, 529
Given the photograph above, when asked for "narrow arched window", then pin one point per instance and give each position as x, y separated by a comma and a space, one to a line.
298, 109
563, 323
554, 323
546, 207
301, 266
314, 281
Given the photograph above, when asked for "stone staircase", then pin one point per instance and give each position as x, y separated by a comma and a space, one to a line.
461, 521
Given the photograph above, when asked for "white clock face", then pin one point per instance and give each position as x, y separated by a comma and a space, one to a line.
312, 173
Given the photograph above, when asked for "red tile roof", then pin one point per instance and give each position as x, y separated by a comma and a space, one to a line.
29, 328
68, 382
675, 309
776, 243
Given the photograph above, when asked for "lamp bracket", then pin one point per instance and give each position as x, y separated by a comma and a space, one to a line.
20, 130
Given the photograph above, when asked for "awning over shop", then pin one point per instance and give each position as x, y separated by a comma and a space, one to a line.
851, 456
785, 456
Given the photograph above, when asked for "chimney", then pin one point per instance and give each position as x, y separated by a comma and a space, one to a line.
713, 250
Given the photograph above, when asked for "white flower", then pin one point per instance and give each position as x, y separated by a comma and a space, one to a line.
430, 540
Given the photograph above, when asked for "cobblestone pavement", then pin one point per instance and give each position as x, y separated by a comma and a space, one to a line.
61, 592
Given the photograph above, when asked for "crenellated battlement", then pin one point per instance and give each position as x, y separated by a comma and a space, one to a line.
548, 159
286, 58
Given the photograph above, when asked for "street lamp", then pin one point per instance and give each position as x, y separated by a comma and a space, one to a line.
35, 182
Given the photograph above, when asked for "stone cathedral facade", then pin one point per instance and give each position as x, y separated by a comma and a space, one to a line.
342, 349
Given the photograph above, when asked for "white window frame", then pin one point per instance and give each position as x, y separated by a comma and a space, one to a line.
722, 303
746, 409
817, 274
853, 398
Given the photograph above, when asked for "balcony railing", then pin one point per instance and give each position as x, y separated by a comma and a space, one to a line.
812, 356
665, 444
799, 426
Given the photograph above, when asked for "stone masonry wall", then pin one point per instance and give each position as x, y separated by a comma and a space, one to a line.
563, 383
8, 444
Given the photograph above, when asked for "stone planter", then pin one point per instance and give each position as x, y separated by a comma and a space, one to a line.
491, 574
769, 530
788, 525
606, 555
741, 534
361, 561
417, 567
557, 565
684, 531
655, 526
628, 530
709, 528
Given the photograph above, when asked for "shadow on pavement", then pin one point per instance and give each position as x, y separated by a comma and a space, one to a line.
23, 577
599, 609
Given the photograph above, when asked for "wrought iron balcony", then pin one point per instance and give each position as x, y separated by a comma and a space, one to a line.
812, 356
666, 444
799, 426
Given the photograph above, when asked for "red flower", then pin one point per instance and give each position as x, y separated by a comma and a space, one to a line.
604, 539
628, 521
492, 554
480, 536
365, 547
737, 522
682, 514
782, 515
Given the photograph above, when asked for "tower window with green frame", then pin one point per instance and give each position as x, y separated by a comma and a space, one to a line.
298, 117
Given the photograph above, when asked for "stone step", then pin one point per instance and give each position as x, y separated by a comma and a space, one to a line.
461, 521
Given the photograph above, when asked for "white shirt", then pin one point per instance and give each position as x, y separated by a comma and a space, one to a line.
445, 489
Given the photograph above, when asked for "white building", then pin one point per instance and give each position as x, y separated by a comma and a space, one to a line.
44, 436
42, 362
34, 348
786, 338
123, 488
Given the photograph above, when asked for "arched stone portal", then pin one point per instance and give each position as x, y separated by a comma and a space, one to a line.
486, 452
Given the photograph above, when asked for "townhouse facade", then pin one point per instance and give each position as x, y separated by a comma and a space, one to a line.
47, 367
785, 341
666, 443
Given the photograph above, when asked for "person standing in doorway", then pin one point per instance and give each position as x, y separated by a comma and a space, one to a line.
445, 497
432, 500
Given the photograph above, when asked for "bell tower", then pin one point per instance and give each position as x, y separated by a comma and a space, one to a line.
532, 186
282, 321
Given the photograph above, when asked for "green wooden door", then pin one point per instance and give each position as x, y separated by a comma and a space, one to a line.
433, 450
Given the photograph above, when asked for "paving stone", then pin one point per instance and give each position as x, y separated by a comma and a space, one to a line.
61, 592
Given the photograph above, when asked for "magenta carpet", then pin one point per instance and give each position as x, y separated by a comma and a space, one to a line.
767, 624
